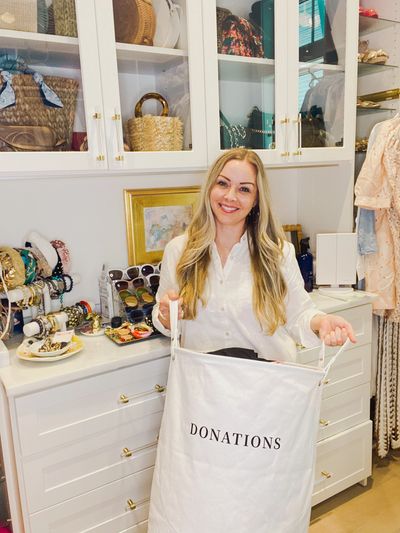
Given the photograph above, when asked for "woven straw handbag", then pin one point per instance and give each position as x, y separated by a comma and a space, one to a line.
134, 21
150, 133
29, 109
18, 15
65, 18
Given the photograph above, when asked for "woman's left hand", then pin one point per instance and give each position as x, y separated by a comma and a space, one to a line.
332, 330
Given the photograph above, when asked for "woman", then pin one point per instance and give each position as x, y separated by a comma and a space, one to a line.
236, 276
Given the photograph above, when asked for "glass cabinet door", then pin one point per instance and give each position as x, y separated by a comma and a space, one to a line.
246, 107
44, 116
326, 62
153, 83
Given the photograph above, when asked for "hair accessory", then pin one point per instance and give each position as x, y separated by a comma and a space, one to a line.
64, 254
58, 269
43, 268
13, 268
45, 247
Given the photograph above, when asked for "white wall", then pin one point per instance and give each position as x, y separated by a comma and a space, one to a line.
88, 214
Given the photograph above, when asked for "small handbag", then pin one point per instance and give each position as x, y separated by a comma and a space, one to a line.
28, 139
233, 136
168, 23
261, 127
134, 21
151, 133
241, 38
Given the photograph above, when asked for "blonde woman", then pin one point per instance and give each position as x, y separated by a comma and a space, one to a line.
236, 276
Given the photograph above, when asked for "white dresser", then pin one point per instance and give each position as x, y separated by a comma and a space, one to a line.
81, 438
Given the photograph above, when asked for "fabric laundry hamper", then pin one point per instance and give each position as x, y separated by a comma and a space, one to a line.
237, 444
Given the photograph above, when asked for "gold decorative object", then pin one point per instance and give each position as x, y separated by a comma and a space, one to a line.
154, 217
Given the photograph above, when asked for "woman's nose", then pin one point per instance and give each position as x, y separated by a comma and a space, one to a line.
230, 194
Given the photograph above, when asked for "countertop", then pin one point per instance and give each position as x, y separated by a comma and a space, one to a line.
101, 355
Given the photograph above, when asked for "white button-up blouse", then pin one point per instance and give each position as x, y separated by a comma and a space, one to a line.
228, 319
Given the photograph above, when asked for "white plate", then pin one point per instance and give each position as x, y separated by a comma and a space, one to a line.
168, 25
35, 347
89, 334
23, 354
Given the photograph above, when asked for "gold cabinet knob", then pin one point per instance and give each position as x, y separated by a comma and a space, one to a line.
284, 120
324, 422
285, 154
297, 152
123, 398
100, 157
97, 115
325, 381
126, 452
119, 158
116, 117
326, 474
131, 504
160, 388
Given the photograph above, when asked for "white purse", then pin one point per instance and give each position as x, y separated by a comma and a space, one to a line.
168, 24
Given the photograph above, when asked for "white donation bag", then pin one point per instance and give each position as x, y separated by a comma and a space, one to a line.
237, 444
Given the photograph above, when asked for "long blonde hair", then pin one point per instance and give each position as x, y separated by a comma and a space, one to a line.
265, 239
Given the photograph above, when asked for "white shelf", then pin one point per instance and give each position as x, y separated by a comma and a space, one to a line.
129, 54
246, 60
312, 67
51, 50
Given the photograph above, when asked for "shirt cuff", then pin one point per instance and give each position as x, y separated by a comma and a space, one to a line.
157, 324
369, 202
308, 338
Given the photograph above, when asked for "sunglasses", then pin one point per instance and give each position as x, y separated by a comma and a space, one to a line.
135, 283
138, 315
153, 280
124, 273
146, 270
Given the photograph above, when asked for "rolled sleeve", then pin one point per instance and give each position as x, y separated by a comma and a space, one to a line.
300, 309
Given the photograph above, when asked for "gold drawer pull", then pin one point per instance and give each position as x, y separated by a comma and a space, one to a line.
97, 115
123, 398
325, 381
126, 452
326, 474
119, 158
323, 422
116, 116
131, 505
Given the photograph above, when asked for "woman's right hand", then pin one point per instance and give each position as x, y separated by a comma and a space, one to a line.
163, 309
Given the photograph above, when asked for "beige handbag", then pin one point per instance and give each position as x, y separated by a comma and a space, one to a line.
151, 133
134, 21
18, 15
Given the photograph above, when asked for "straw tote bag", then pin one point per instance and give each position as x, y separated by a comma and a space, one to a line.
237, 444
154, 133
134, 21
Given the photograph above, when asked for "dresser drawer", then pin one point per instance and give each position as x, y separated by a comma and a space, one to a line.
351, 369
342, 461
361, 320
67, 413
65, 472
105, 510
344, 411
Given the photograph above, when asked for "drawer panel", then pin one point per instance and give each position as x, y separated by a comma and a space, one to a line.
344, 411
68, 413
65, 472
351, 369
342, 461
361, 320
103, 510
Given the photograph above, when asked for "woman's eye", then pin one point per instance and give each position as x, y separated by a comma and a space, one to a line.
244, 189
222, 183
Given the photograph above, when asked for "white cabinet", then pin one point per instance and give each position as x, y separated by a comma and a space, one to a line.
304, 84
344, 449
198, 84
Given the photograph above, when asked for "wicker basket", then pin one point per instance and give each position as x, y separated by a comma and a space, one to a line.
134, 21
150, 133
65, 18
29, 109
18, 15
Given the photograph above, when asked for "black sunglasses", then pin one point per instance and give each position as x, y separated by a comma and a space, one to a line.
124, 273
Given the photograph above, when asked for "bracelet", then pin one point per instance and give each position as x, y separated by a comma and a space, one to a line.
66, 277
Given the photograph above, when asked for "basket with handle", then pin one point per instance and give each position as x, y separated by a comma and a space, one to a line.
134, 21
65, 18
30, 110
151, 133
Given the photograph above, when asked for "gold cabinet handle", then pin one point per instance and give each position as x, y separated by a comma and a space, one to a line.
131, 505
123, 398
100, 157
116, 116
97, 115
126, 452
324, 422
284, 120
326, 474
297, 152
325, 381
285, 154
119, 158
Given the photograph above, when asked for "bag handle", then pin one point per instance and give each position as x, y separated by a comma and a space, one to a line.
152, 96
333, 358
173, 317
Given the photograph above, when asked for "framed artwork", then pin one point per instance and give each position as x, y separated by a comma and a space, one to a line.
154, 217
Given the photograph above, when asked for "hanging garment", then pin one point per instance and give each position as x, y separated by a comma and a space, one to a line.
237, 444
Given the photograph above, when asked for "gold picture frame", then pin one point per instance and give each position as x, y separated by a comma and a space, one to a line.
154, 217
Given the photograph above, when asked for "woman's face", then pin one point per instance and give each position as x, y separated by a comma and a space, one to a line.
234, 193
